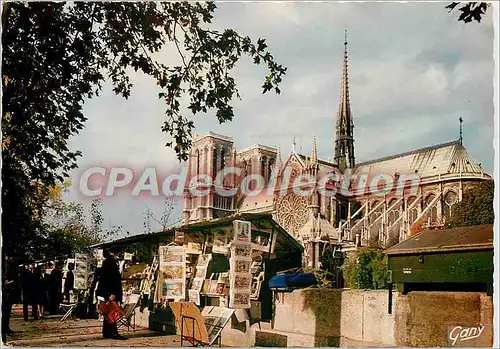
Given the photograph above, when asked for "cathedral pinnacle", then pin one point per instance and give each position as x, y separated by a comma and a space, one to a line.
314, 151
279, 161
344, 142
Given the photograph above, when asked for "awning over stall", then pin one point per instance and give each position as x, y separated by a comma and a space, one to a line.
280, 241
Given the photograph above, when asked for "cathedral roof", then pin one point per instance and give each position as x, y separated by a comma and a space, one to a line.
447, 159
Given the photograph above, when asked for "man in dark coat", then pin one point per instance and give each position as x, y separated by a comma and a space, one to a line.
109, 287
29, 293
54, 289
69, 282
9, 292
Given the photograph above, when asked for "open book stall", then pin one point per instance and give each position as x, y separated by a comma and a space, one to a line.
206, 273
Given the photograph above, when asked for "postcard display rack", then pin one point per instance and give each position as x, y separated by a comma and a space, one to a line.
171, 281
199, 278
240, 265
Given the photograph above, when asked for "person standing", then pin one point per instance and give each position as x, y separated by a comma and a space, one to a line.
9, 292
29, 293
54, 289
110, 288
40, 290
69, 282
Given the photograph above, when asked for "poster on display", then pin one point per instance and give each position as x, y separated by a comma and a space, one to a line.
242, 250
172, 273
127, 256
239, 266
216, 318
220, 242
81, 271
242, 231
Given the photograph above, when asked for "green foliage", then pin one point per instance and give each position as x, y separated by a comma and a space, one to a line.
56, 55
470, 10
476, 207
64, 228
366, 269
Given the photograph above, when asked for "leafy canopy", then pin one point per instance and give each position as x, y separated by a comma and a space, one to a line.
476, 207
58, 54
366, 269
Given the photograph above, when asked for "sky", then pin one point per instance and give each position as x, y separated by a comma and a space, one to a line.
413, 71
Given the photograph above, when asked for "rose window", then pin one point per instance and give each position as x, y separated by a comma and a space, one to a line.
292, 213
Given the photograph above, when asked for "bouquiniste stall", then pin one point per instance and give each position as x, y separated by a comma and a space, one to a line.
220, 266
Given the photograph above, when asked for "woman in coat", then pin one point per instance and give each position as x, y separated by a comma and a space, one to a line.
40, 289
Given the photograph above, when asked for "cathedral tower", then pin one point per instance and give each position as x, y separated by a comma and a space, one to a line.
344, 142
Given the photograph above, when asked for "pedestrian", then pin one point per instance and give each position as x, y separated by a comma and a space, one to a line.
54, 288
40, 289
69, 282
29, 296
9, 293
110, 288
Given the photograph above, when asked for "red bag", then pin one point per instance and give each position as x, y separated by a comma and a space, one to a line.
112, 311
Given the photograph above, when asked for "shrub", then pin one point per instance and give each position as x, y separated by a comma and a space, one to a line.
366, 269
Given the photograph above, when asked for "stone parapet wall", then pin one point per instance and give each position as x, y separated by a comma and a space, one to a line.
425, 319
356, 318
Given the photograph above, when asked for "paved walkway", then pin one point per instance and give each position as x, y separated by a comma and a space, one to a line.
50, 332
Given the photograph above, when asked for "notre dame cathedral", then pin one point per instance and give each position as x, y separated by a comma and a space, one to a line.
445, 171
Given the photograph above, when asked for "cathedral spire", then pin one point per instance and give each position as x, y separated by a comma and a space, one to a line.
344, 142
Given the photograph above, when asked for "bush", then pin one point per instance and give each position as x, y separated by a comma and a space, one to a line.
476, 207
366, 269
